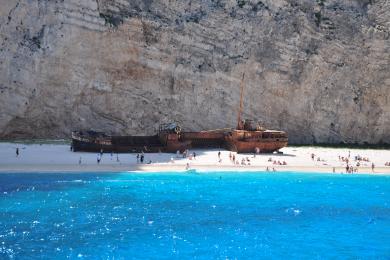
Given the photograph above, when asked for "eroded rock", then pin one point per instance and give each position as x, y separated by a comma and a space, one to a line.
318, 69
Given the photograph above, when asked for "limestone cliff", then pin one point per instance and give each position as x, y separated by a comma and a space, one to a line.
318, 69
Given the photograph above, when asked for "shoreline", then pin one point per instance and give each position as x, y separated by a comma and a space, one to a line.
149, 168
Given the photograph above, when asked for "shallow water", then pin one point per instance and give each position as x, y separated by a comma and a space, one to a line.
199, 215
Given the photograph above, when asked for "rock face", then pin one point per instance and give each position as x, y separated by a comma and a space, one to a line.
319, 70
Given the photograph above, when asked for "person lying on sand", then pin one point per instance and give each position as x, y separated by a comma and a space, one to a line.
243, 161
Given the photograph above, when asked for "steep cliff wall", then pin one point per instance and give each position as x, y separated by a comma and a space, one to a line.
318, 69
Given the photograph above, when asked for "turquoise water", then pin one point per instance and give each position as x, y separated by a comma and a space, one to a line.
198, 215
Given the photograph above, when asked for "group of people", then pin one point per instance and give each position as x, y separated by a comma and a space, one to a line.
232, 157
358, 159
364, 159
140, 158
318, 158
186, 154
100, 157
351, 169
276, 162
245, 161
343, 159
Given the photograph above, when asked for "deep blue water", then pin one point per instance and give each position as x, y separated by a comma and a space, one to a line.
201, 216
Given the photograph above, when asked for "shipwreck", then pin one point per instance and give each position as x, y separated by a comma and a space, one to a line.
247, 137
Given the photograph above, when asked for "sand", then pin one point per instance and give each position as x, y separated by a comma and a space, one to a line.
59, 158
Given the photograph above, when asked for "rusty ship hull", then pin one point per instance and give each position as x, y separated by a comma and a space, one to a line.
243, 141
205, 139
240, 141
99, 142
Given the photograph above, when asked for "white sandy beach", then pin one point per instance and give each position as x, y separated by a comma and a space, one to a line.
59, 158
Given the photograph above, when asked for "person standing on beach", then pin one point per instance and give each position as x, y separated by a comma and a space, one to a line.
17, 151
219, 155
98, 159
372, 167
137, 157
142, 158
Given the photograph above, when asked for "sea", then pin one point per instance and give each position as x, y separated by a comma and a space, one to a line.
194, 215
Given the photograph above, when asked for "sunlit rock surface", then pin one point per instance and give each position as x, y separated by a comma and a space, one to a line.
318, 69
